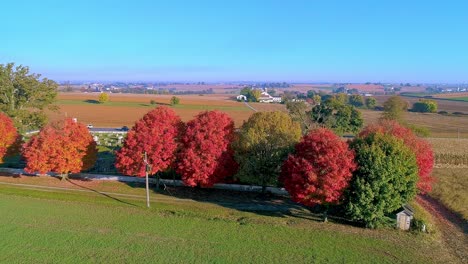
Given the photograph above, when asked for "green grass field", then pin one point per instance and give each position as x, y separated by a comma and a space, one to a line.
464, 98
51, 226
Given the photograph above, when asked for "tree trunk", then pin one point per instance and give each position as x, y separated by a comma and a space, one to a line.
64, 176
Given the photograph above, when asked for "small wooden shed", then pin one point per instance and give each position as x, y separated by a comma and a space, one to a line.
404, 217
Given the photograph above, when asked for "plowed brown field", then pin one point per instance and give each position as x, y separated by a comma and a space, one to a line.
81, 106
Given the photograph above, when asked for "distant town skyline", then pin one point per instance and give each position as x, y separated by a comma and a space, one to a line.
232, 41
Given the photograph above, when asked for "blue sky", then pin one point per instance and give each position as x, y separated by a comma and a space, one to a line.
295, 41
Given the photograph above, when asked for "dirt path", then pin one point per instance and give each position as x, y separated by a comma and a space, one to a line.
251, 107
453, 228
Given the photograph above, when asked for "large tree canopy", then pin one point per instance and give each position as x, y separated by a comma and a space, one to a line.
24, 96
62, 147
206, 156
384, 180
157, 134
338, 116
421, 148
320, 169
264, 142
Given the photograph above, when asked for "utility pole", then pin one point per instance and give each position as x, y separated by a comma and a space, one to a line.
147, 169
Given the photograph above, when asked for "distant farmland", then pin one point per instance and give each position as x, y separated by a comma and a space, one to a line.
125, 109
444, 105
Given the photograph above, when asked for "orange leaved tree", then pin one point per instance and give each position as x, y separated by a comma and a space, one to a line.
62, 147
8, 136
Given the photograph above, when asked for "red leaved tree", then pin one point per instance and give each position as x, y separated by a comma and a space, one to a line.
9, 137
62, 147
156, 134
320, 170
421, 148
206, 156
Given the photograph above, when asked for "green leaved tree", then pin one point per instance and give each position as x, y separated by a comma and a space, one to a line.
337, 116
395, 108
25, 96
384, 181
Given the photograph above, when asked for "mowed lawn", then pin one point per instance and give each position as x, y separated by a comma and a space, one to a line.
60, 226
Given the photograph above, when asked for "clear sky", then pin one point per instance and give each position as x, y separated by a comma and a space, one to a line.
223, 40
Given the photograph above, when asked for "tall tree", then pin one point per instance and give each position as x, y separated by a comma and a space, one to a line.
371, 102
339, 117
320, 169
206, 156
421, 148
156, 133
356, 100
298, 112
395, 108
62, 147
264, 142
425, 106
384, 180
24, 96
9, 137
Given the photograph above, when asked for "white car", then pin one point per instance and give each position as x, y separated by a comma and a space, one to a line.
90, 126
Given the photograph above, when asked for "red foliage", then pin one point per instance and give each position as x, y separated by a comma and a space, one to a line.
8, 136
63, 147
421, 148
156, 134
320, 169
206, 156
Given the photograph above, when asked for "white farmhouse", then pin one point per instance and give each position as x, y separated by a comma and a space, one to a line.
265, 97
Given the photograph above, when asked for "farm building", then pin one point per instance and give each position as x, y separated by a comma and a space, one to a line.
241, 97
265, 97
404, 217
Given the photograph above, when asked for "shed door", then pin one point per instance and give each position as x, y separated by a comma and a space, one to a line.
402, 222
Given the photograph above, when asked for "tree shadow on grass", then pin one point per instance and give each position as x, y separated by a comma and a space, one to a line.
89, 101
98, 192
262, 204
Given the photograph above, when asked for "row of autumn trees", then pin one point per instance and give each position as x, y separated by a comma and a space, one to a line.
369, 177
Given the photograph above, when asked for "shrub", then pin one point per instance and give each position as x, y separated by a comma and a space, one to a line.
425, 106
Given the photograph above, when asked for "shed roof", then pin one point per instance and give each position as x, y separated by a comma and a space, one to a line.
407, 210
